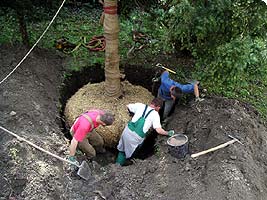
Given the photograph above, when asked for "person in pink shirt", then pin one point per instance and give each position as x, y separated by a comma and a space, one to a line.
84, 136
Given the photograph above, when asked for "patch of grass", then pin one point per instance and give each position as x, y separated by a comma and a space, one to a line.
74, 25
13, 152
9, 28
84, 23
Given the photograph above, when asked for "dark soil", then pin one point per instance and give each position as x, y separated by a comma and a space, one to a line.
29, 107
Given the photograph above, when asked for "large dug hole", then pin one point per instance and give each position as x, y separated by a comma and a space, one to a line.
89, 93
236, 172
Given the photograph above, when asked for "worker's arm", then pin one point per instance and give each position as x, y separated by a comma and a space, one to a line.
161, 131
196, 91
73, 146
72, 158
157, 126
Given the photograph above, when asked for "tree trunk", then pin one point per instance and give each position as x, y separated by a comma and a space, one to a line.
23, 29
112, 59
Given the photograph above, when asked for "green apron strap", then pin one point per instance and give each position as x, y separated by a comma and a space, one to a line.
138, 126
144, 111
148, 113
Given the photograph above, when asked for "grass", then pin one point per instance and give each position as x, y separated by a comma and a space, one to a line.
75, 24
71, 24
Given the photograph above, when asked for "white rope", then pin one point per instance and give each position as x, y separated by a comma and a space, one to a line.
39, 148
35, 43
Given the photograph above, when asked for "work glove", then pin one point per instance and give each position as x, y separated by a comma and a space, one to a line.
72, 166
193, 82
156, 79
170, 133
198, 99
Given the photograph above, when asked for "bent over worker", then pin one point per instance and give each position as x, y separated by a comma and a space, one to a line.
133, 135
171, 90
84, 136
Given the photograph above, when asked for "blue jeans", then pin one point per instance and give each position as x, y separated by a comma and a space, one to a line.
168, 105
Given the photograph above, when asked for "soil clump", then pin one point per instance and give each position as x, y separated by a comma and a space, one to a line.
29, 107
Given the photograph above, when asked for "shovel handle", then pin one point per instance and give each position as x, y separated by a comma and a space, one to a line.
39, 148
169, 70
214, 148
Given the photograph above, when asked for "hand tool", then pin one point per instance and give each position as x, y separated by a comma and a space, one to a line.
160, 65
83, 171
217, 147
230, 136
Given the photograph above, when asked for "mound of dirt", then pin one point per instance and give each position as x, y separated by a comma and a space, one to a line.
91, 96
234, 172
29, 107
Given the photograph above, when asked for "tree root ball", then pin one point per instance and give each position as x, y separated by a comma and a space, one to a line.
92, 96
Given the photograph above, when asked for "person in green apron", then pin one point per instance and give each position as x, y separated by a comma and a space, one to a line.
133, 135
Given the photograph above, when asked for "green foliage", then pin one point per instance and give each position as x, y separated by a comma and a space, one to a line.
125, 37
140, 5
235, 65
72, 24
228, 40
13, 153
157, 150
9, 27
155, 25
199, 27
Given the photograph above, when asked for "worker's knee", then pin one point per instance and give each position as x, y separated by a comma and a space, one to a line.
90, 154
99, 145
87, 149
96, 140
99, 142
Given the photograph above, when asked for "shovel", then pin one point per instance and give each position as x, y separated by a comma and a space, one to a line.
160, 65
83, 171
217, 147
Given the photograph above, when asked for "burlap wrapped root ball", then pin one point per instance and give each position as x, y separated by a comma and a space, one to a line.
91, 96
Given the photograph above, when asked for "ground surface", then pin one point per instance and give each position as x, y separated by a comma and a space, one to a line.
29, 107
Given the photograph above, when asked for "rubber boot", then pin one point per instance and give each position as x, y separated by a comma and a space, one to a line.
121, 158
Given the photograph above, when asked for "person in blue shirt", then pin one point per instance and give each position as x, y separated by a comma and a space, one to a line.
171, 90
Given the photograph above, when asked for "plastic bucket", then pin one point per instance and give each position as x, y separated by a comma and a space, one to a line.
178, 145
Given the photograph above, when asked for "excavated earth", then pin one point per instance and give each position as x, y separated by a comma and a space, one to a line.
30, 108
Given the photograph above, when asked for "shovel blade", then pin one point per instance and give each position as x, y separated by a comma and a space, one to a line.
84, 171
